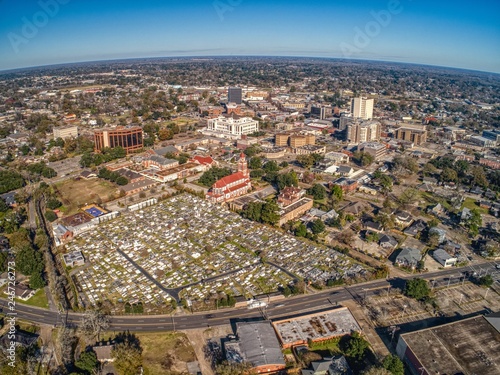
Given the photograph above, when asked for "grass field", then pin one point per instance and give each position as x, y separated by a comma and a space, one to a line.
470, 203
165, 353
75, 194
39, 300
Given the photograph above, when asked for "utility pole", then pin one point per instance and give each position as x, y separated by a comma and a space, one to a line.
485, 294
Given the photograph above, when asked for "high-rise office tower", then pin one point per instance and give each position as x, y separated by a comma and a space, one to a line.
234, 95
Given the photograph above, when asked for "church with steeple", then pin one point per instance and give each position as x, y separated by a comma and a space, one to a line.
232, 186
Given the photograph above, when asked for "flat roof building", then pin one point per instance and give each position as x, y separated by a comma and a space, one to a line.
257, 344
232, 127
469, 346
316, 327
65, 132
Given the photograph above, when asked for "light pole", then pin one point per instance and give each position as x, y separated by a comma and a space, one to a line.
173, 321
388, 288
485, 294
449, 280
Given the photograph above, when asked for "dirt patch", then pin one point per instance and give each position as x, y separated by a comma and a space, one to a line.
77, 193
165, 353
199, 339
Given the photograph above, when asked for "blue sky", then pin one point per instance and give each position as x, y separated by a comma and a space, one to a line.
438, 32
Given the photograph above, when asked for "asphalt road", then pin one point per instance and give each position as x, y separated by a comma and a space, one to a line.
297, 305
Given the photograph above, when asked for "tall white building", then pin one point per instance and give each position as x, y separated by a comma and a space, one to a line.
362, 108
231, 127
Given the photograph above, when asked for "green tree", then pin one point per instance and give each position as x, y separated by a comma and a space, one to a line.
486, 280
301, 230
473, 223
317, 226
50, 215
255, 163
270, 213
394, 365
253, 211
305, 161
36, 280
87, 362
386, 183
318, 192
3, 206
287, 179
128, 358
449, 175
416, 288
479, 176
271, 166
337, 192
357, 347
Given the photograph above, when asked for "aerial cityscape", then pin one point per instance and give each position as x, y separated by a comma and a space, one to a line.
278, 188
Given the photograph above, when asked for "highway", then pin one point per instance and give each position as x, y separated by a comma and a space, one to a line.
296, 305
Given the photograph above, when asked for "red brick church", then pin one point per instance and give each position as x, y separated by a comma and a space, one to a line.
231, 186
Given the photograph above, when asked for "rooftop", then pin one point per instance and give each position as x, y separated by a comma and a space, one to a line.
469, 346
257, 344
337, 322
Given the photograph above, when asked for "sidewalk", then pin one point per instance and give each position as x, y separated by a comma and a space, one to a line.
367, 327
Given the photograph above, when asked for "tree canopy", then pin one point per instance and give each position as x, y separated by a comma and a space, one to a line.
416, 288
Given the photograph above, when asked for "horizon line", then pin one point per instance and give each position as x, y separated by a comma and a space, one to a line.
10, 70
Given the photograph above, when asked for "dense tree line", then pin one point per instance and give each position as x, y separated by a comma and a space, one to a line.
115, 177
10, 180
41, 169
262, 212
209, 177
105, 156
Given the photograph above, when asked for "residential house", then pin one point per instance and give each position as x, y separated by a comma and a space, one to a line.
408, 257
403, 219
388, 242
436, 210
18, 338
103, 351
429, 180
443, 258
441, 233
373, 226
465, 215
345, 171
23, 292
417, 227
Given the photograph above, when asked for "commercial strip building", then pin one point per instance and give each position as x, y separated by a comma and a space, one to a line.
130, 138
315, 327
257, 344
469, 346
